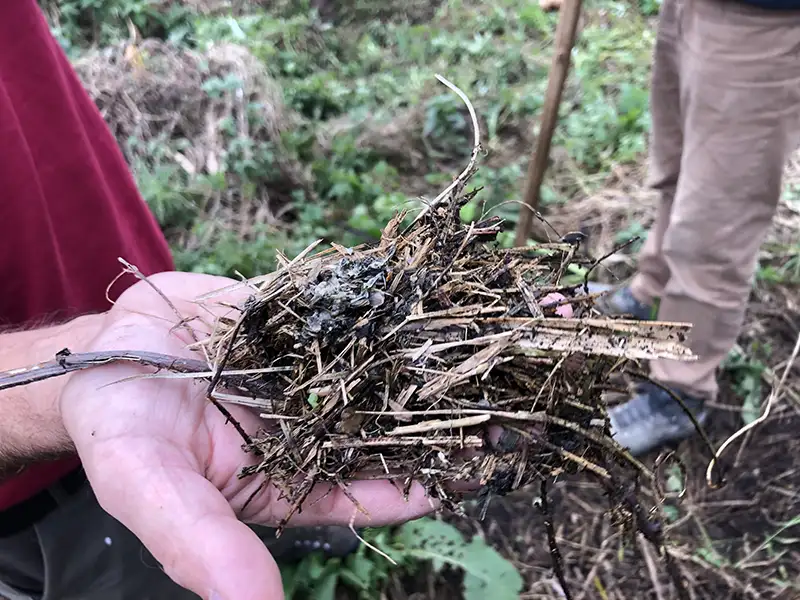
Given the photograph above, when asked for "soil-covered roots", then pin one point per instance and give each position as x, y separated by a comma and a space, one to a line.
433, 356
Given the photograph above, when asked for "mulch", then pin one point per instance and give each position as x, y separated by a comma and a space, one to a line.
738, 542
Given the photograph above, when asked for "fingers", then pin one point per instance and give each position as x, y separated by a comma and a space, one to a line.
194, 287
149, 298
554, 298
327, 504
257, 501
382, 501
186, 286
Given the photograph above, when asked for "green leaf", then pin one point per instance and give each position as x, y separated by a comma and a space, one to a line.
750, 387
469, 212
711, 556
486, 572
675, 481
533, 17
362, 571
671, 513
290, 579
326, 590
751, 408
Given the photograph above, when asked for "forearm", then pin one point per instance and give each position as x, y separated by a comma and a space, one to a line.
30, 418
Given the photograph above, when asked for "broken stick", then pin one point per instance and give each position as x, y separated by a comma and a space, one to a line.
564, 41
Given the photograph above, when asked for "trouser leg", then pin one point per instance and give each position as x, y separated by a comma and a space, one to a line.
20, 566
740, 99
666, 142
79, 552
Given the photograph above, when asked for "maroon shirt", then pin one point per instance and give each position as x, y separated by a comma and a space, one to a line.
68, 204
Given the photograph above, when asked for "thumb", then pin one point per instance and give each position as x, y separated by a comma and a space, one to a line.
187, 525
227, 562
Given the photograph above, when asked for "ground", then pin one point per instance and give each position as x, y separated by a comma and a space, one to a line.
255, 128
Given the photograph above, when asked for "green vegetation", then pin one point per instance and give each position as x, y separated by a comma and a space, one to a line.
482, 569
338, 74
746, 371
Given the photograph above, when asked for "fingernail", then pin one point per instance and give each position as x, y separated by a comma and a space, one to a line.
215, 595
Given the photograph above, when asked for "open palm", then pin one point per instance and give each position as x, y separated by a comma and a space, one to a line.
163, 461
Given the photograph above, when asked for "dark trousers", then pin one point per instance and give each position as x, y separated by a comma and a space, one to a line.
79, 552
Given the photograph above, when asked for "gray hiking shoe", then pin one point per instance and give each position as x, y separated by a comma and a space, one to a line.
653, 418
620, 301
297, 542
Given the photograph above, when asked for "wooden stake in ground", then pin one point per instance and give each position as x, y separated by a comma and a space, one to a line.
564, 41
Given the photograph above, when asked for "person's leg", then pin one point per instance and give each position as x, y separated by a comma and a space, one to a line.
79, 552
666, 145
666, 142
743, 119
20, 566
740, 96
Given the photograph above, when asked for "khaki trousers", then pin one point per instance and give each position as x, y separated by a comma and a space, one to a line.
725, 102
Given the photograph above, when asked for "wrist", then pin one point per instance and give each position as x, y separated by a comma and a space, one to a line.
32, 428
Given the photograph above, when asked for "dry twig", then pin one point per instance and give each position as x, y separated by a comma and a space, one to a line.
773, 397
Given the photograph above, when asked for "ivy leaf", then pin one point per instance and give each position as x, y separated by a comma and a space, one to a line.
326, 589
290, 579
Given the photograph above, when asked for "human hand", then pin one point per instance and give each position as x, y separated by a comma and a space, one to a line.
550, 5
162, 460
563, 310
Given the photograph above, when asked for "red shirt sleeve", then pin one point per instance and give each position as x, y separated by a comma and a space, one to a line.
68, 203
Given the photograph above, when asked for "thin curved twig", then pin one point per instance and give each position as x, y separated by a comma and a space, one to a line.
773, 397
555, 554
522, 206
604, 257
136, 272
476, 147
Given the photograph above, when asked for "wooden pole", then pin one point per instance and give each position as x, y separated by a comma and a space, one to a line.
564, 41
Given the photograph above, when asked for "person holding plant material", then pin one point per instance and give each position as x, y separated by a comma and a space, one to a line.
114, 487
725, 103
